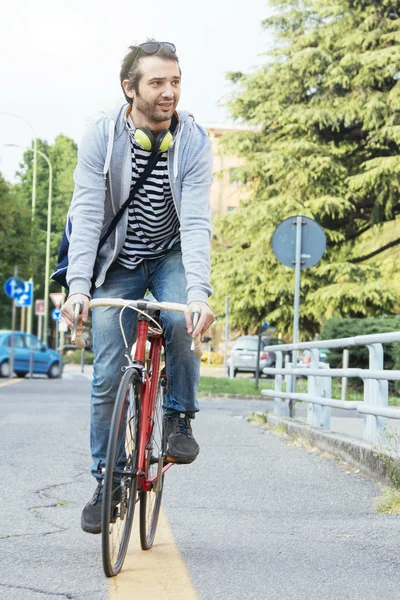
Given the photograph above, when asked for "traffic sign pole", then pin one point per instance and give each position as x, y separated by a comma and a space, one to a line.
22, 327
40, 311
40, 327
296, 314
299, 243
13, 315
10, 375
299, 225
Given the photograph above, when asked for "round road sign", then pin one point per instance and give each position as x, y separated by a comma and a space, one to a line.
313, 242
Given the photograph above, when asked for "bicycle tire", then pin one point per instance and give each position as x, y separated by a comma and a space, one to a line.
119, 490
150, 502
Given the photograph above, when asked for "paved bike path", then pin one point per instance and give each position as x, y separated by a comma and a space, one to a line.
258, 518
253, 517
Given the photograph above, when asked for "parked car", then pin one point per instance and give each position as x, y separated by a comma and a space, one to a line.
305, 358
244, 354
44, 360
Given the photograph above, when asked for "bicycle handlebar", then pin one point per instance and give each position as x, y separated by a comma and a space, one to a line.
76, 336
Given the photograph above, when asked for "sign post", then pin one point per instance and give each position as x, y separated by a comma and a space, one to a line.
299, 243
260, 331
13, 287
57, 298
39, 312
226, 367
56, 316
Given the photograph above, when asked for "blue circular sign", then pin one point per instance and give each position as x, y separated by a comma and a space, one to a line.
56, 314
14, 287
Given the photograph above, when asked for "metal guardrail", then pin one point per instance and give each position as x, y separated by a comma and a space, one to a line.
319, 390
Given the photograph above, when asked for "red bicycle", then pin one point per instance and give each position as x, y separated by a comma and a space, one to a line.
136, 456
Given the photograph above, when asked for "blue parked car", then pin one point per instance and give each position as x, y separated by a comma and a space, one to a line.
44, 360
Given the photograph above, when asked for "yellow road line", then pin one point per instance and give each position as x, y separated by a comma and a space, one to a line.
156, 574
10, 382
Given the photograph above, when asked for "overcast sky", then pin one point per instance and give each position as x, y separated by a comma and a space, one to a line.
60, 59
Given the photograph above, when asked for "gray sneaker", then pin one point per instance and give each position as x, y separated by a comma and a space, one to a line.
182, 448
91, 514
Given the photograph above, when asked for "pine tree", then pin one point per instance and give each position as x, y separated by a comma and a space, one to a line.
326, 106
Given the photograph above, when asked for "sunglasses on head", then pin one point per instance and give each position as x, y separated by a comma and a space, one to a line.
153, 47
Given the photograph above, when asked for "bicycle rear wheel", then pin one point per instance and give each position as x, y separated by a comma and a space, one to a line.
120, 479
150, 502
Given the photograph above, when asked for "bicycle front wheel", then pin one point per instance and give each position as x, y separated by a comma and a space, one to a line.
150, 502
120, 479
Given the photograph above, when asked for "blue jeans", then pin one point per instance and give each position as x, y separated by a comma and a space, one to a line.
165, 278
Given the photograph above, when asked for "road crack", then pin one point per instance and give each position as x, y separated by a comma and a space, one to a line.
19, 535
42, 491
37, 590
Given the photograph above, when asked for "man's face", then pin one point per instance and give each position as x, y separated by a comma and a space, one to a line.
159, 89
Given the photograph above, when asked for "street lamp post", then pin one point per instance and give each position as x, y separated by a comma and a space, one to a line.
47, 267
3, 112
48, 236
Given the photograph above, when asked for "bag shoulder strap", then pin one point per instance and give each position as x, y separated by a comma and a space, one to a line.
110, 145
139, 182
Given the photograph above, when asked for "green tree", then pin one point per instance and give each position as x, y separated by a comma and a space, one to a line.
325, 144
15, 243
63, 157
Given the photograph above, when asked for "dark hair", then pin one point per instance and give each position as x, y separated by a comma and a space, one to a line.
130, 68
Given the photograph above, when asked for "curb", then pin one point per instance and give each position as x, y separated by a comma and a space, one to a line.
359, 453
207, 396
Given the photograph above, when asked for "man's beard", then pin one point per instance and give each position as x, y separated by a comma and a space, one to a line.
149, 110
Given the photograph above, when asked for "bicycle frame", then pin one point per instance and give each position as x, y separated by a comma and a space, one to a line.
149, 384
148, 395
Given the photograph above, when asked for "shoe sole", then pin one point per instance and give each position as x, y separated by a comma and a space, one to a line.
181, 460
89, 529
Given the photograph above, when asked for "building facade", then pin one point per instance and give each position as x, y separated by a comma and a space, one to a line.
226, 191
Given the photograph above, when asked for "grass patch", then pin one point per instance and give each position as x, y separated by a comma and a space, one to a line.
260, 419
74, 358
388, 453
225, 385
389, 502
280, 429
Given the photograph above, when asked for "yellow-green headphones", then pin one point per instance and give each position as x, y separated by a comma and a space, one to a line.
148, 141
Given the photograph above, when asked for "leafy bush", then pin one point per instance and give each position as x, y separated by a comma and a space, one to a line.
74, 358
217, 358
358, 355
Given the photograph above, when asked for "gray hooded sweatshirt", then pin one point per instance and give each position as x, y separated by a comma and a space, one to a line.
105, 153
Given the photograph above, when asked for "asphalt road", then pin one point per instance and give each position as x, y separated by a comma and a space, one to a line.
254, 516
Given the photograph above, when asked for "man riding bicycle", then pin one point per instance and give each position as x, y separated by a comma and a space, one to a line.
161, 244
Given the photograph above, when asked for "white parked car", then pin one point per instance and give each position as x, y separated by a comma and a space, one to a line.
243, 357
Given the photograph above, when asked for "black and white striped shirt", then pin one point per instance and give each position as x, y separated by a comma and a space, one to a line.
153, 224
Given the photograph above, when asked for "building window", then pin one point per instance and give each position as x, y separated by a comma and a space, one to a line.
230, 208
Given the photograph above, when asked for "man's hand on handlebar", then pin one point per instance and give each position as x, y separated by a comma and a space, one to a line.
206, 319
67, 310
